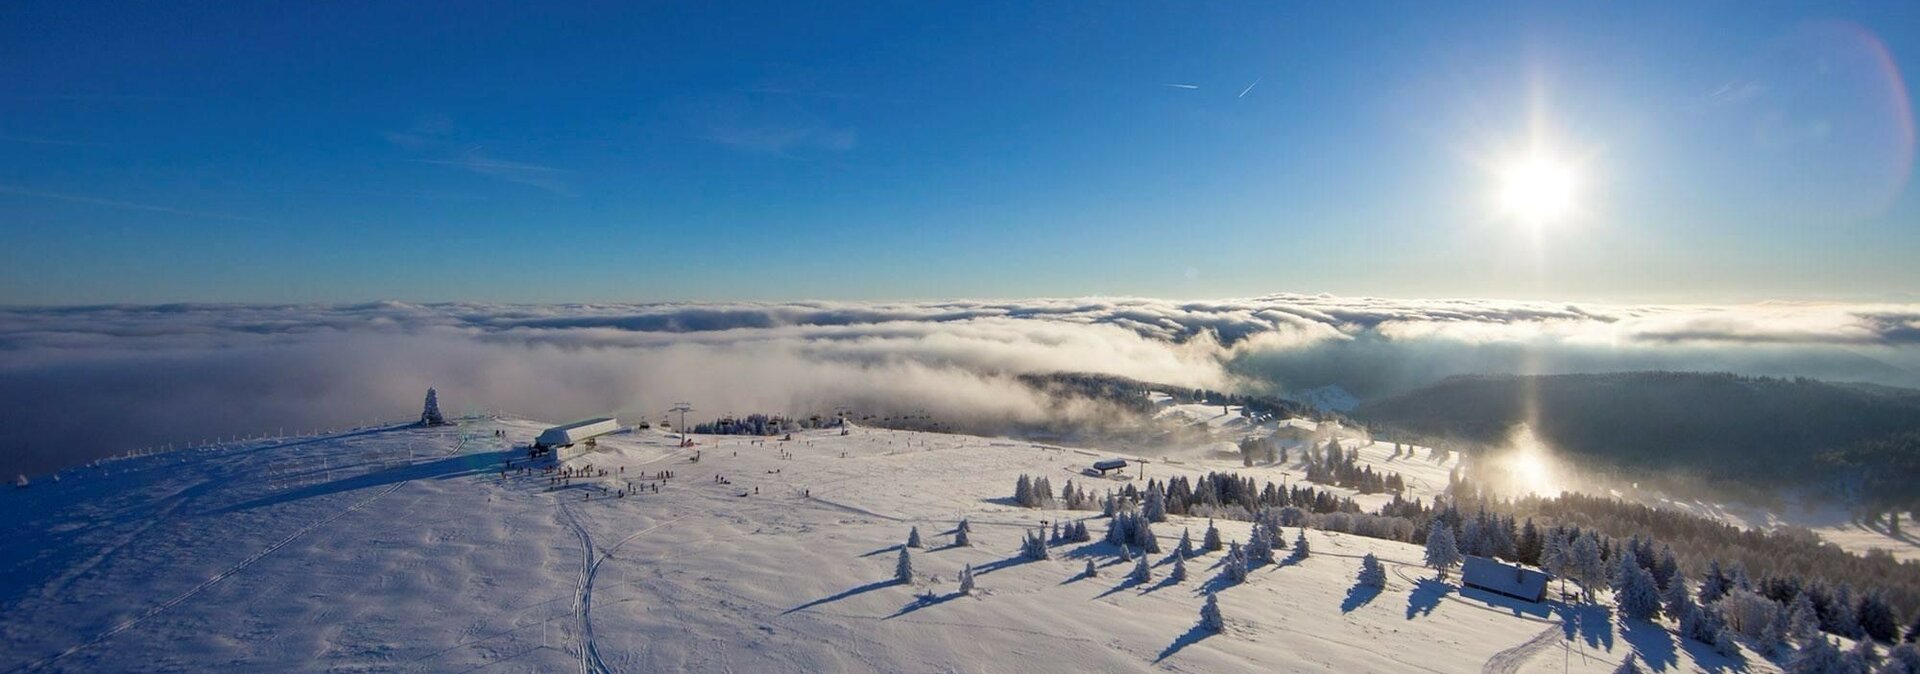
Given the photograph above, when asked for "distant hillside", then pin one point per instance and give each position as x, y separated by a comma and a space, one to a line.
1760, 431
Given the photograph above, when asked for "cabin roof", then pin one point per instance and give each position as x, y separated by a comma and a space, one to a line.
1507, 579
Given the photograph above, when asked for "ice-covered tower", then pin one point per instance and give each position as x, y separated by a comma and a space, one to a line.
430, 415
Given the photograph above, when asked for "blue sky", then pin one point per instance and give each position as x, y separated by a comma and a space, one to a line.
157, 152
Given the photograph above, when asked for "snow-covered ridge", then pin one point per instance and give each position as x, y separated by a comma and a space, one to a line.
409, 549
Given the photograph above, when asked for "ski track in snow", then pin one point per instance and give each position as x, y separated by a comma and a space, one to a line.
1510, 660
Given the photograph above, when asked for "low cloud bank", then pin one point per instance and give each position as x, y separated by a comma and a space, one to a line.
84, 382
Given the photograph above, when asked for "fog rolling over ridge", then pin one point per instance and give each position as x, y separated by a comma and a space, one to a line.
85, 382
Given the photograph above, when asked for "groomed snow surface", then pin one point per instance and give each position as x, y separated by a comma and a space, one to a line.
404, 549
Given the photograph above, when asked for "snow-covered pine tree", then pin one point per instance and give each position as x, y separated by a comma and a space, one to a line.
1143, 537
1155, 508
1772, 641
903, 569
1817, 656
1586, 566
1034, 546
1667, 567
430, 412
1842, 616
966, 579
1372, 573
1179, 569
1210, 619
1092, 571
1185, 548
1675, 600
1442, 554
913, 538
1300, 550
1236, 564
1638, 594
961, 537
1141, 572
1803, 623
1080, 533
1259, 545
1903, 659
1211, 541
1023, 491
1863, 657
1715, 584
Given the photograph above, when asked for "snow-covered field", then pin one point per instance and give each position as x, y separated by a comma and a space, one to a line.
405, 549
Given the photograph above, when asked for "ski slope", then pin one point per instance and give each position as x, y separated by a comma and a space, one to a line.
406, 549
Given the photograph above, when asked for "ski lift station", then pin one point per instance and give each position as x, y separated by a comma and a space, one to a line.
579, 431
1109, 465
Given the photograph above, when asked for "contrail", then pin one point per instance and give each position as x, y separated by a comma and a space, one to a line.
1243, 92
1181, 86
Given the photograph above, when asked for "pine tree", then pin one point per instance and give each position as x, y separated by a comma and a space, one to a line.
1863, 657
1638, 595
1143, 535
1725, 644
1674, 598
1817, 656
1155, 508
1210, 619
1141, 572
1300, 550
961, 538
1903, 659
1233, 569
1715, 584
1803, 623
1877, 619
913, 538
1442, 554
903, 569
1034, 546
1372, 573
1185, 548
1841, 616
430, 412
966, 579
1586, 565
1259, 545
1211, 541
1773, 637
1126, 555
1179, 574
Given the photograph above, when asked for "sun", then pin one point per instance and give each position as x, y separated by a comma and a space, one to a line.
1537, 190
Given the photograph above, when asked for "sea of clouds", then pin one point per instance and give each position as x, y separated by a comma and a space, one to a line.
79, 383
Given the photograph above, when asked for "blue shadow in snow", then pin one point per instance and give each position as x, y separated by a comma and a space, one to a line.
869, 587
1518, 607
1652, 642
1426, 596
1358, 596
1193, 636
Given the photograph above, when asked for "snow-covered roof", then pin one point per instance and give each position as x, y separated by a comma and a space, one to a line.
1508, 579
567, 434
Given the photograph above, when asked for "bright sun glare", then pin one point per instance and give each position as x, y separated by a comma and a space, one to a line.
1537, 190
